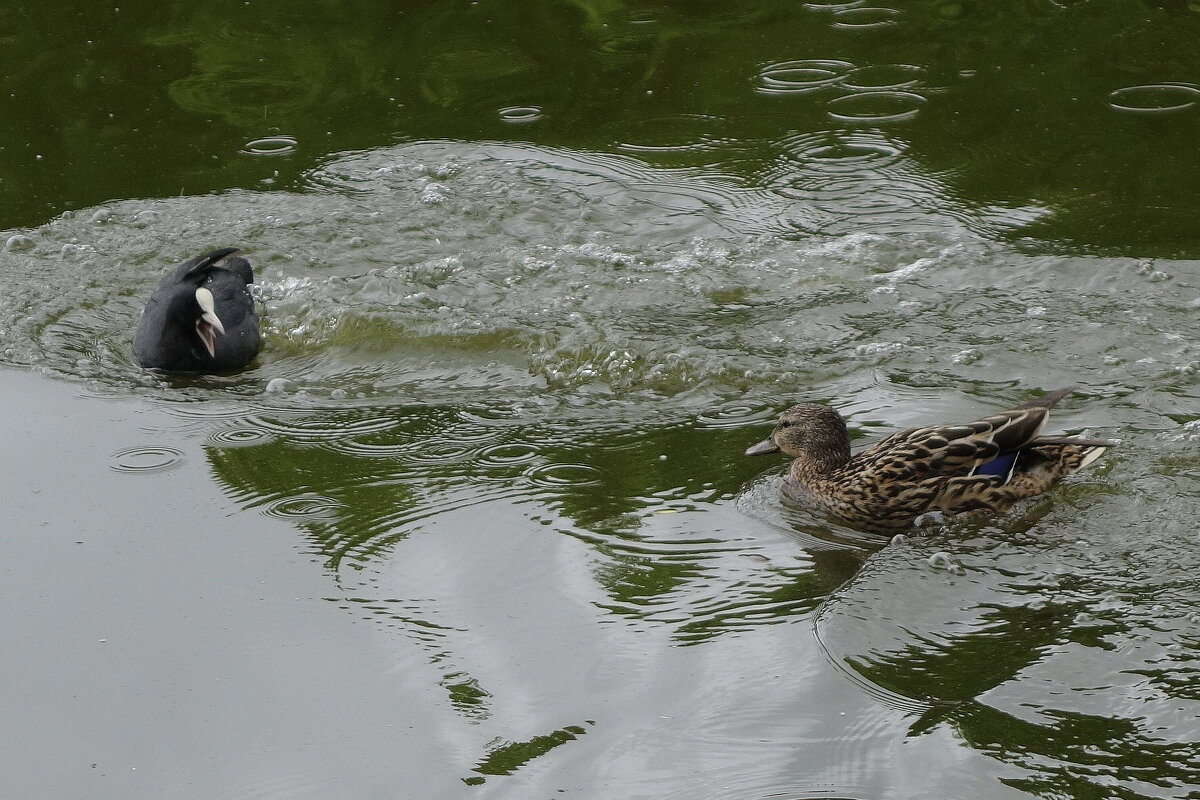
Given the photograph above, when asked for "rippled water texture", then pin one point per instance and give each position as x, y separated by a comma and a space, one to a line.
503, 400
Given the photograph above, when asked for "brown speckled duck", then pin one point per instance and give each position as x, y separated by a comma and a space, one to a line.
953, 469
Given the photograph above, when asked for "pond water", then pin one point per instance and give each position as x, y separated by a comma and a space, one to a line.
477, 522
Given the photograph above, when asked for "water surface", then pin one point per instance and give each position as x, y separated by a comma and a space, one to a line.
478, 523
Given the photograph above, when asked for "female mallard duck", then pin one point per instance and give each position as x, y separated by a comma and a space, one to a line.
981, 466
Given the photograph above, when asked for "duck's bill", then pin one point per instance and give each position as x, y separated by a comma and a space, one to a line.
208, 334
762, 448
209, 324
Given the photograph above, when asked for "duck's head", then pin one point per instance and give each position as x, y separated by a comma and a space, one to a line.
808, 430
190, 311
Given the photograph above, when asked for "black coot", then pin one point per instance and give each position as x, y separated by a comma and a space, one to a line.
200, 318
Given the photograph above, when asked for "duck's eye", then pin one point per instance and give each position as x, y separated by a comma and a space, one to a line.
783, 423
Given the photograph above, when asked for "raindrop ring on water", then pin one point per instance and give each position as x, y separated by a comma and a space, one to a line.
557, 476
797, 77
876, 107
865, 17
271, 146
507, 455
1154, 98
146, 459
520, 115
832, 5
878, 77
440, 453
309, 506
735, 416
238, 437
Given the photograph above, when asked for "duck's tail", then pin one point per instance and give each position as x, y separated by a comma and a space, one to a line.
1030, 471
1047, 460
1072, 453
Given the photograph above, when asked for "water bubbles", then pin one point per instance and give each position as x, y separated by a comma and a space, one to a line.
520, 115
434, 193
74, 252
145, 219
18, 243
1154, 98
968, 356
271, 146
146, 459
946, 562
879, 350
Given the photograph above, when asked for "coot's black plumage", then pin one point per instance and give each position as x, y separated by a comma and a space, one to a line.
201, 317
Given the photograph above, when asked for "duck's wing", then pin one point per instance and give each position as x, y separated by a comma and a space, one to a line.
194, 267
1045, 462
959, 450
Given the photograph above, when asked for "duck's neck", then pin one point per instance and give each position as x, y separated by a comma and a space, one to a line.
824, 460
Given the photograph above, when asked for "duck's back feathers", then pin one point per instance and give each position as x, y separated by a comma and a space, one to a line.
953, 450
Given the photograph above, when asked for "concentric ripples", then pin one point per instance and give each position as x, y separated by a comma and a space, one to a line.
679, 138
435, 452
360, 495
839, 152
146, 459
865, 17
874, 94
1155, 98
521, 115
238, 437
883, 76
310, 430
876, 107
801, 76
271, 146
665, 572
557, 476
736, 415
304, 507
510, 454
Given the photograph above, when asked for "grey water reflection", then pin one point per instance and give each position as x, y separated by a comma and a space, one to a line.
359, 482
643, 515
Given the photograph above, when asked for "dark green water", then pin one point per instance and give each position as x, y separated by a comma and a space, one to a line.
477, 522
